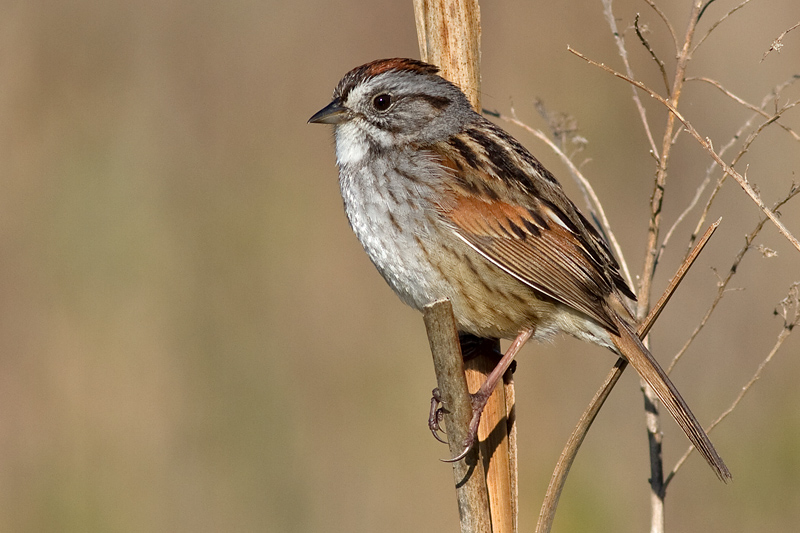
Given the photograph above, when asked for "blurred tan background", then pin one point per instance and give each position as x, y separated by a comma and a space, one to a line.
191, 339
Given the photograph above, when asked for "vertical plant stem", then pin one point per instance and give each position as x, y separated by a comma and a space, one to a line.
449, 37
653, 420
470, 480
661, 171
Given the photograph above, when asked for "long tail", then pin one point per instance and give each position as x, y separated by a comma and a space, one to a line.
648, 368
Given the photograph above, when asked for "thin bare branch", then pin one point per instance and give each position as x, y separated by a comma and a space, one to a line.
722, 285
706, 144
666, 22
730, 95
623, 53
701, 188
777, 44
745, 146
558, 479
703, 10
679, 275
764, 102
563, 127
699, 192
657, 197
653, 420
748, 105
789, 309
649, 48
717, 23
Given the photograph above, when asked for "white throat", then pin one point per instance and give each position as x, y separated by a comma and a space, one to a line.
351, 144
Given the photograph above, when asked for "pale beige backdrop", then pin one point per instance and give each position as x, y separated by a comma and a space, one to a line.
191, 339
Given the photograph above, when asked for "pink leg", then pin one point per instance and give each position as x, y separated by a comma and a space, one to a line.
480, 398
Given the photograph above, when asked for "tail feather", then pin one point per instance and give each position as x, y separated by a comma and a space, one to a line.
648, 368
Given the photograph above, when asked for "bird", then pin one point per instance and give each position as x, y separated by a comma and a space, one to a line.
448, 205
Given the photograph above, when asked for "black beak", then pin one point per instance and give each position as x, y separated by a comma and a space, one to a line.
333, 113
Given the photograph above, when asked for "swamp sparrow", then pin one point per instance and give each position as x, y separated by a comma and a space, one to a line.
448, 205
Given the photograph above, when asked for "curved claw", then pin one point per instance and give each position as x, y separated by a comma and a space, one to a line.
436, 430
472, 431
436, 415
468, 443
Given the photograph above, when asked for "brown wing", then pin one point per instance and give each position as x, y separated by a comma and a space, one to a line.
528, 228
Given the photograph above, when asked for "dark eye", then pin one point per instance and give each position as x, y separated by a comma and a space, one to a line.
382, 102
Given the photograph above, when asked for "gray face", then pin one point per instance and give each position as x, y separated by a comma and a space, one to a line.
406, 107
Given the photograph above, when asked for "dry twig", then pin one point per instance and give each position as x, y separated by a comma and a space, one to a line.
706, 144
666, 23
745, 147
756, 109
570, 451
722, 285
652, 52
713, 165
789, 309
623, 53
777, 44
717, 23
